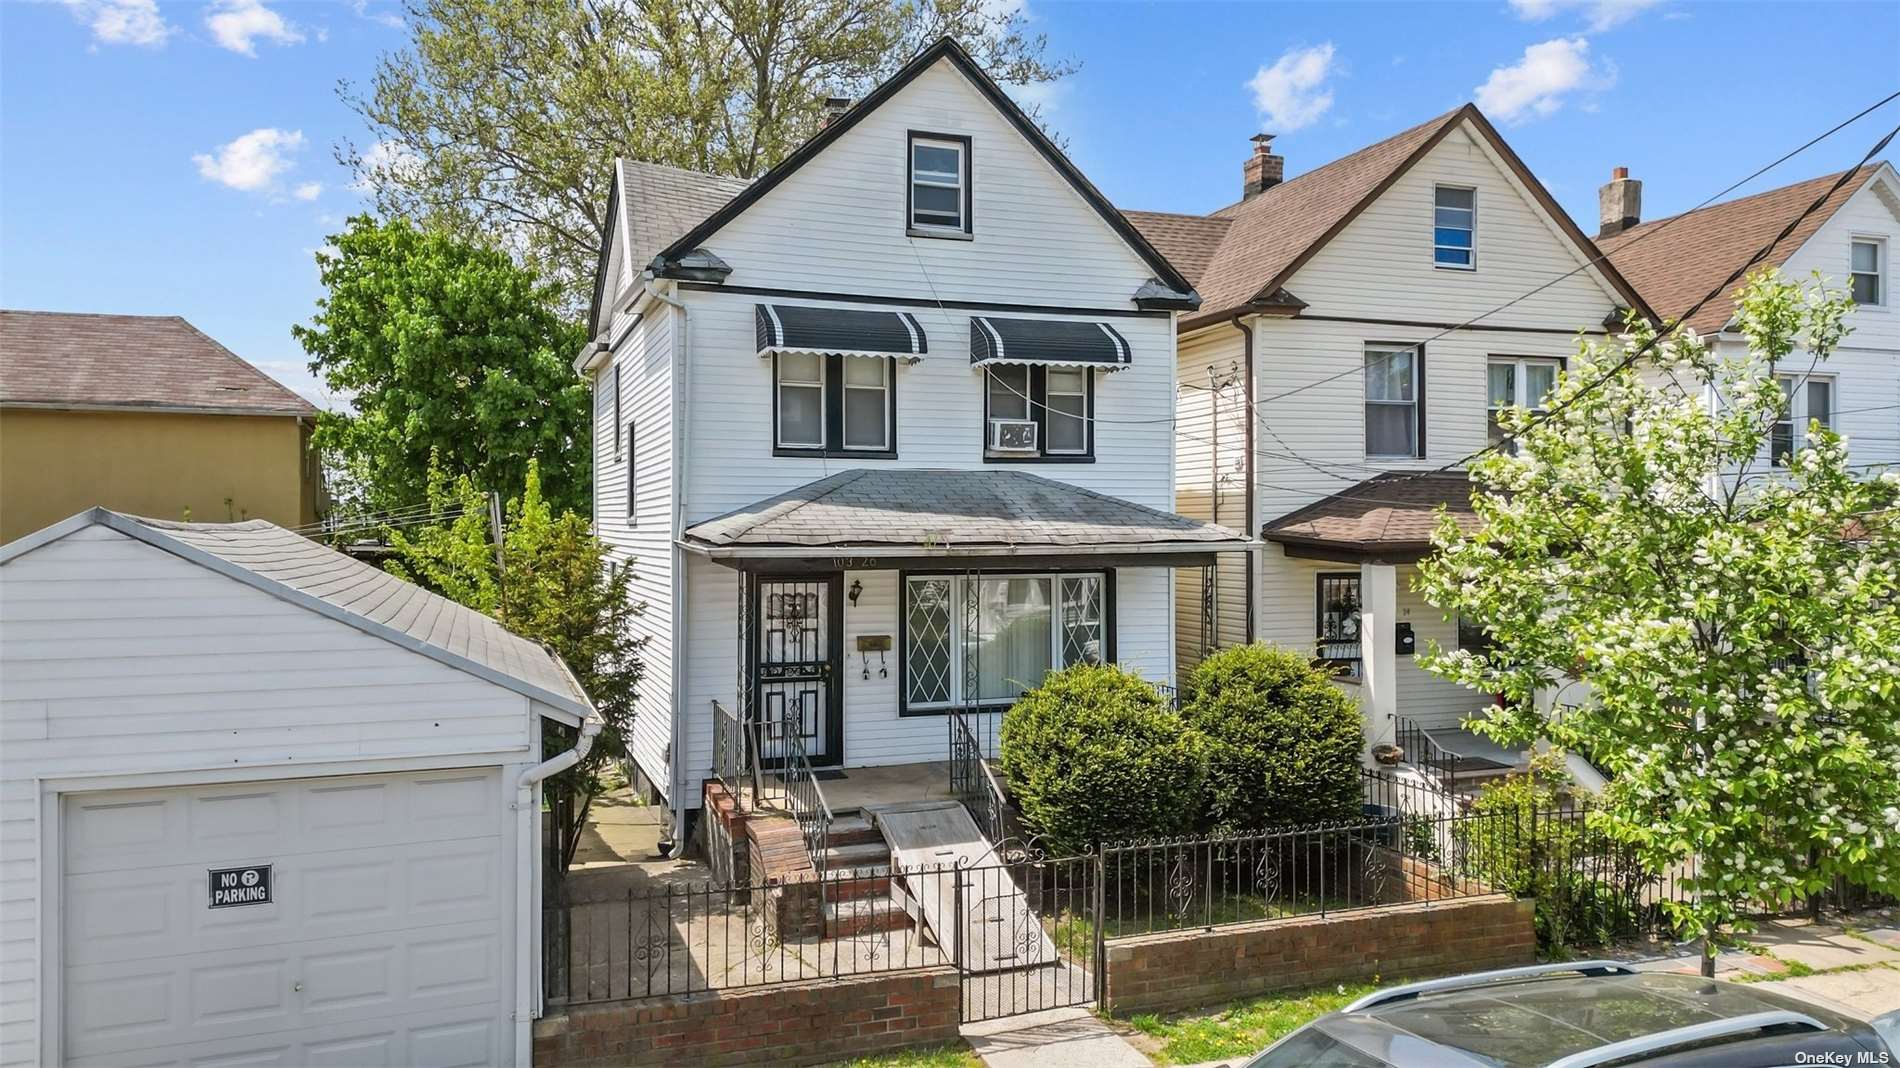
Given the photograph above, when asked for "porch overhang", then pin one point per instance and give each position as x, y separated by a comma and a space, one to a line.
994, 519
1387, 519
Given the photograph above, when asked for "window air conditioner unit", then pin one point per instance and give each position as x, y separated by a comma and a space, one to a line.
1012, 435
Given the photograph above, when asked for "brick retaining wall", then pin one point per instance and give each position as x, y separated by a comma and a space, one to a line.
1196, 968
785, 1023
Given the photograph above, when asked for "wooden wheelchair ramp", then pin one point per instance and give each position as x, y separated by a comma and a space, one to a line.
968, 902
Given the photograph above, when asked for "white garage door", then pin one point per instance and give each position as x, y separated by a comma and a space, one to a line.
385, 940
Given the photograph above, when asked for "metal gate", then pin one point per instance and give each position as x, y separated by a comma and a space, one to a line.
1030, 934
796, 656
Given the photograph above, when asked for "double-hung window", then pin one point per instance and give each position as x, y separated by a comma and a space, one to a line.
1454, 216
987, 639
1809, 399
1517, 382
1058, 401
1395, 417
939, 185
834, 405
1867, 272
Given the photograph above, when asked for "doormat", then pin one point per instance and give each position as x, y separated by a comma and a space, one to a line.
827, 776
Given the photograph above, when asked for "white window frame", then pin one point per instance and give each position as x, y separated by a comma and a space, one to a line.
1518, 384
883, 392
1472, 251
935, 179
1050, 414
1798, 414
1365, 391
959, 640
1880, 268
778, 405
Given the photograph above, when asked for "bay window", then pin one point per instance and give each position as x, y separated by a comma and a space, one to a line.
1012, 628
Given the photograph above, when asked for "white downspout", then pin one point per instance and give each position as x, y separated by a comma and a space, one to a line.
682, 409
527, 875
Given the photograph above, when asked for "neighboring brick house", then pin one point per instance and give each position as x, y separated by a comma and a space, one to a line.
144, 414
1849, 241
1335, 356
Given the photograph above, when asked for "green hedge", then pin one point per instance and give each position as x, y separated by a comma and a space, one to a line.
1283, 742
1095, 754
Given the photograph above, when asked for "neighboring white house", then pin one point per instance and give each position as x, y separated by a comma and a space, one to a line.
1335, 357
885, 432
1849, 241
261, 803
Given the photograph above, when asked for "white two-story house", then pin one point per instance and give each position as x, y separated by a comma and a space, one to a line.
884, 433
1849, 241
1358, 323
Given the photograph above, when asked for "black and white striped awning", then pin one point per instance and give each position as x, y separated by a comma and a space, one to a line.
1050, 341
797, 328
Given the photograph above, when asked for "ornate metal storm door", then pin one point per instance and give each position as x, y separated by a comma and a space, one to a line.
799, 645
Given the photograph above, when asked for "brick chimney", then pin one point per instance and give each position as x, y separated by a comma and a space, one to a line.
1263, 170
834, 107
1619, 203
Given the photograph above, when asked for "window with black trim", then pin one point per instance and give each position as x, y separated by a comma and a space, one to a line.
834, 405
617, 413
1026, 625
633, 489
1336, 642
1395, 405
1036, 413
939, 196
1517, 381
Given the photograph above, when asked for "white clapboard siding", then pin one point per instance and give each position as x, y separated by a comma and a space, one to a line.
120, 658
1210, 473
642, 540
837, 223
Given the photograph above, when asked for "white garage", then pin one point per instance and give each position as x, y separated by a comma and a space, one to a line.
261, 804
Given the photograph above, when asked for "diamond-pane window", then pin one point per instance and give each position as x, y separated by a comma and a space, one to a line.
1081, 619
927, 641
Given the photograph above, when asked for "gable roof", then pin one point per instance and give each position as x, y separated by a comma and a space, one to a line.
944, 49
941, 511
294, 568
652, 204
156, 362
1675, 260
1269, 236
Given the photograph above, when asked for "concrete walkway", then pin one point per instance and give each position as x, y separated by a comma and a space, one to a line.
1054, 1038
1856, 969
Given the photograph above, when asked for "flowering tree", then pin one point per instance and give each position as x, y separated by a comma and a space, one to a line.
1734, 613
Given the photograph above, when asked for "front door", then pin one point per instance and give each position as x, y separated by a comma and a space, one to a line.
799, 652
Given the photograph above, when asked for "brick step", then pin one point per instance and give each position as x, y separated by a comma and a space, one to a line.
846, 918
860, 855
858, 886
853, 830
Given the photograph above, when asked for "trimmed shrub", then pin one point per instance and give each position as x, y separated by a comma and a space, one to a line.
1283, 743
1094, 754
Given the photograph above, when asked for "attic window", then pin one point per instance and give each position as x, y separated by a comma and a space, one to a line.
939, 195
1454, 212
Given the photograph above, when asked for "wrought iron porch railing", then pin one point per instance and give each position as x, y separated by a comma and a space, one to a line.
803, 795
733, 752
972, 745
1423, 753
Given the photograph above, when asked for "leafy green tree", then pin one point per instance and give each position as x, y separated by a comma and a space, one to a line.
551, 582
502, 115
1737, 622
447, 350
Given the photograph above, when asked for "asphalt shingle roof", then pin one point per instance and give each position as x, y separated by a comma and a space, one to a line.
277, 557
952, 510
659, 204
130, 361
1675, 260
1397, 510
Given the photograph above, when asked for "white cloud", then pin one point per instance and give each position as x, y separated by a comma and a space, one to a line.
238, 24
251, 162
1602, 14
386, 18
1042, 99
115, 22
384, 157
308, 191
1535, 86
1292, 93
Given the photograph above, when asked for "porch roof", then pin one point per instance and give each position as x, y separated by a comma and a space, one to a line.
1388, 518
939, 514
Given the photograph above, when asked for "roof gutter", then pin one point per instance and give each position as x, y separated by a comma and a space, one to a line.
934, 552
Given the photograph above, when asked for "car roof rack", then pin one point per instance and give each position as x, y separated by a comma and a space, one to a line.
1476, 979
1690, 1035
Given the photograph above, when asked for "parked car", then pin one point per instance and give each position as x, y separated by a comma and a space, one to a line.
1577, 1015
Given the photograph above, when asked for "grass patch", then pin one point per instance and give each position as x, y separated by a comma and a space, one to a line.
953, 1055
1243, 1027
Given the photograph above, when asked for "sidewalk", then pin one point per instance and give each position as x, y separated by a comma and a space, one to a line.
1856, 970
1054, 1038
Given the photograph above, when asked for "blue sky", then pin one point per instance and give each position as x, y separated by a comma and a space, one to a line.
163, 158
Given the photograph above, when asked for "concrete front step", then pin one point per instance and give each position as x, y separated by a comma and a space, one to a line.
853, 830
863, 916
875, 854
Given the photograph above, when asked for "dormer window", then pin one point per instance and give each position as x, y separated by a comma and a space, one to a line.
939, 186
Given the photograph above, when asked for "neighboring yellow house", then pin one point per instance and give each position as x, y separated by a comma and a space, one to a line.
146, 415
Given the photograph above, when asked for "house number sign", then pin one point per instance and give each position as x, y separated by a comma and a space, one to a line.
231, 887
